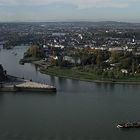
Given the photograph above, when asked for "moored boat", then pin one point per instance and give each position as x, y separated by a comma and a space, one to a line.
129, 125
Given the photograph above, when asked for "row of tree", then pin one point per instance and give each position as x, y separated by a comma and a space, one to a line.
103, 60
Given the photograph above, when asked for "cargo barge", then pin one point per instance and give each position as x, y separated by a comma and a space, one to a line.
129, 125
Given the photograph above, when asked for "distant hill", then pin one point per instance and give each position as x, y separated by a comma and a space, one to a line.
110, 24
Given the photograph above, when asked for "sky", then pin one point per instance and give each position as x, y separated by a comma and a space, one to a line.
69, 10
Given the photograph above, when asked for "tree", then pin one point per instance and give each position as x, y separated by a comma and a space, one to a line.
114, 56
99, 59
34, 51
60, 61
105, 74
75, 56
3, 76
126, 63
133, 68
83, 57
111, 75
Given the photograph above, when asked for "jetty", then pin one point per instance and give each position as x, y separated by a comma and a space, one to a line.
25, 85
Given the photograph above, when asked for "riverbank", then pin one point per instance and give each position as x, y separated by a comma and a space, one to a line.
41, 64
85, 76
28, 60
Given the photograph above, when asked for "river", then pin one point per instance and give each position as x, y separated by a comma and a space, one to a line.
78, 111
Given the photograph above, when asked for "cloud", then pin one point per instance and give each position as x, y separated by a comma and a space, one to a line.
7, 2
81, 4
71, 10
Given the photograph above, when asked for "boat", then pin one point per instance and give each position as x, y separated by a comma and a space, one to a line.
129, 125
15, 54
21, 62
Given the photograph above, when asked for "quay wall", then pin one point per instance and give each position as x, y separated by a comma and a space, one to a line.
8, 89
36, 89
13, 88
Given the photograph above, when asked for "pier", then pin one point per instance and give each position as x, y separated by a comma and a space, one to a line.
33, 86
26, 85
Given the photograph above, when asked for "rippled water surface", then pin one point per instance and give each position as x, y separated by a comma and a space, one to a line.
78, 111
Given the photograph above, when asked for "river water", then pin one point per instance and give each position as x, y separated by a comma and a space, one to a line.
78, 111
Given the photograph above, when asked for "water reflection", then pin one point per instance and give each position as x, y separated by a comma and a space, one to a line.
79, 110
36, 67
45, 94
1, 95
75, 82
106, 86
52, 79
112, 87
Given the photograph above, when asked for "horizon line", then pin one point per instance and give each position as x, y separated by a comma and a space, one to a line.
65, 21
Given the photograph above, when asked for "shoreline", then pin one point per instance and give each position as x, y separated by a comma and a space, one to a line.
28, 60
107, 81
94, 81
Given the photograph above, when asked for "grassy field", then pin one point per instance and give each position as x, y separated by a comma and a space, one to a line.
87, 76
65, 72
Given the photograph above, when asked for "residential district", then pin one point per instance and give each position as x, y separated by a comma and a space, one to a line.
105, 51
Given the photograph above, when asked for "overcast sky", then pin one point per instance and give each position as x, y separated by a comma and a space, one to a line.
70, 10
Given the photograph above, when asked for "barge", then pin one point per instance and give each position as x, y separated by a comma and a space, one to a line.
129, 125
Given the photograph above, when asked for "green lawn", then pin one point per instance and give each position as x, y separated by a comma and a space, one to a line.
65, 72
83, 75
